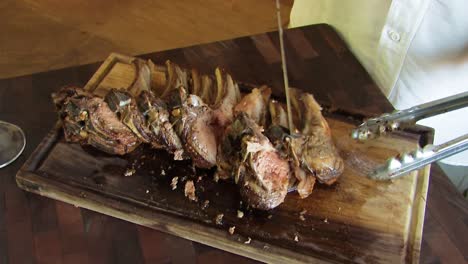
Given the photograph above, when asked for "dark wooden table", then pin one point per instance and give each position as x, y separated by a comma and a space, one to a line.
34, 229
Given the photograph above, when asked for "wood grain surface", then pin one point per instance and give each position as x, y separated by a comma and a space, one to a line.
391, 213
101, 239
37, 36
357, 220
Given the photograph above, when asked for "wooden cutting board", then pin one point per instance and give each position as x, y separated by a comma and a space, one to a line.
356, 220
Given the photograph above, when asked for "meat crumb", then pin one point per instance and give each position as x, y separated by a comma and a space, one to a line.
163, 172
296, 238
232, 229
199, 178
190, 191
174, 182
240, 214
219, 219
179, 155
325, 220
129, 172
205, 205
248, 240
301, 215
147, 191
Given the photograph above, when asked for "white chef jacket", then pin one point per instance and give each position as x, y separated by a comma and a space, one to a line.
415, 50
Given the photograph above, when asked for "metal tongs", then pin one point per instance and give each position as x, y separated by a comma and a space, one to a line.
406, 162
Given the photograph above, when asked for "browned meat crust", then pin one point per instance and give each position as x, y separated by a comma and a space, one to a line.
88, 120
158, 122
213, 126
260, 172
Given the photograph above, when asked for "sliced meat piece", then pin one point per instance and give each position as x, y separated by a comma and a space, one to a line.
124, 105
89, 120
255, 105
198, 133
317, 152
228, 95
105, 132
192, 120
310, 148
264, 179
189, 191
157, 120
260, 172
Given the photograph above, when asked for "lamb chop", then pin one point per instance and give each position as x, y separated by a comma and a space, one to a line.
259, 171
311, 152
249, 156
227, 96
126, 109
157, 120
88, 120
255, 105
193, 122
319, 154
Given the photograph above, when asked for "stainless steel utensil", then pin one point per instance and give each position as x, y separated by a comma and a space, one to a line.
406, 162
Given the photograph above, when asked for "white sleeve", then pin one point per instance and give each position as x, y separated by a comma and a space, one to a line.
436, 66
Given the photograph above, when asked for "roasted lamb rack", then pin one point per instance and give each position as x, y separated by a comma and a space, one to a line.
206, 119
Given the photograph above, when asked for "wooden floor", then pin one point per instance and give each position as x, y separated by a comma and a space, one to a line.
37, 36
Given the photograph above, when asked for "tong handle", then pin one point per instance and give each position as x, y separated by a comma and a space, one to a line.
374, 127
404, 163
